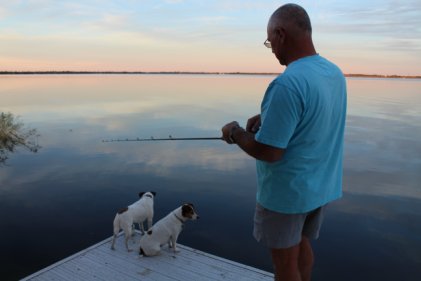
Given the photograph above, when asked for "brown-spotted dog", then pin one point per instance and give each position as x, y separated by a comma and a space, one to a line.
137, 212
166, 230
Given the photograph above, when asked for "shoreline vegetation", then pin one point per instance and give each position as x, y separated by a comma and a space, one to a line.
187, 72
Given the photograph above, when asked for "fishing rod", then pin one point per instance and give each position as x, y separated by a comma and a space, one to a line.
170, 138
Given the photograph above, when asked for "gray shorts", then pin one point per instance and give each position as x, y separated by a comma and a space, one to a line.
280, 231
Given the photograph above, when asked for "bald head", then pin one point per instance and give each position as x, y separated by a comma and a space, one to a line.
289, 33
292, 17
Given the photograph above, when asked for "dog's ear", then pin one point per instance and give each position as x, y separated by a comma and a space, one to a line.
154, 193
141, 194
187, 209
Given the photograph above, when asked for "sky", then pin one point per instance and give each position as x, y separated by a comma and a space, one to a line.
361, 37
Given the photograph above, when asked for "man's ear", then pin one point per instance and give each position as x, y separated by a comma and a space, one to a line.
281, 34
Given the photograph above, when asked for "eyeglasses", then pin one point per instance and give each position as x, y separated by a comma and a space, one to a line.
267, 44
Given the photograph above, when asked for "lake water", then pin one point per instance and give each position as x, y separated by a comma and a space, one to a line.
63, 198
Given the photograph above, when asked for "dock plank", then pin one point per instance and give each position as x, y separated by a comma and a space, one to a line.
100, 263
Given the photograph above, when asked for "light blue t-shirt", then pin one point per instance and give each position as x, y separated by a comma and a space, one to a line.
303, 111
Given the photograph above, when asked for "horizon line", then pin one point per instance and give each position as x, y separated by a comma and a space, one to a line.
7, 72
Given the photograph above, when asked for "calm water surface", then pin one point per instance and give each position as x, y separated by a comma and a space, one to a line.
63, 198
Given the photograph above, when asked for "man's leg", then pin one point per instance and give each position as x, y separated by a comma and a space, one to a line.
278, 230
285, 263
306, 259
294, 263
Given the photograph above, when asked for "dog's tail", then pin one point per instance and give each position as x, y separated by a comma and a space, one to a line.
116, 225
116, 230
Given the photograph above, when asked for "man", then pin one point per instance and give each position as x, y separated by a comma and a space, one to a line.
298, 143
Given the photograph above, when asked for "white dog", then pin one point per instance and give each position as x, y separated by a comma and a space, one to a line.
166, 230
137, 212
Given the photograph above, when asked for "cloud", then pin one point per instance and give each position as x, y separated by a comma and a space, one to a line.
238, 5
110, 22
405, 45
3, 13
174, 1
401, 20
212, 20
105, 30
372, 29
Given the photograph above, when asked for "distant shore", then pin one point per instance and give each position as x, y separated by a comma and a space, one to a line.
188, 72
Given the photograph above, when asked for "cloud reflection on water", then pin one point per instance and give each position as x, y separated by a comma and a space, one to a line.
381, 150
382, 157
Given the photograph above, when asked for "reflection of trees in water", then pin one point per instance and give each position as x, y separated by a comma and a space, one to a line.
13, 135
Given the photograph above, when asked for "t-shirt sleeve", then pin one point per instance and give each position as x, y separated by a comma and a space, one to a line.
281, 111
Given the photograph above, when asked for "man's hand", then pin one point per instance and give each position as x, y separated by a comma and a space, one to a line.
227, 131
253, 124
245, 140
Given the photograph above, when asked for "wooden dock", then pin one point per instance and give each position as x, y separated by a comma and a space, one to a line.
99, 262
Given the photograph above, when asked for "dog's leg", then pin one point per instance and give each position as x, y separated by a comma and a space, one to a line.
173, 241
149, 223
127, 236
133, 229
142, 229
113, 241
127, 228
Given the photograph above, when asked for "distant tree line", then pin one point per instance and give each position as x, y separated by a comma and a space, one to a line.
189, 72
